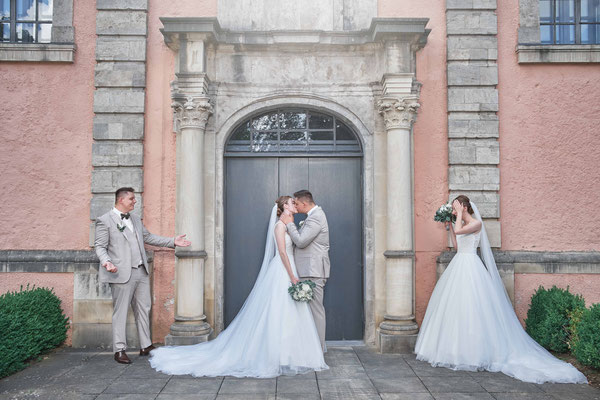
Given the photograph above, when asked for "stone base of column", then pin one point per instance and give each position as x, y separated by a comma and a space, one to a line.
398, 335
188, 332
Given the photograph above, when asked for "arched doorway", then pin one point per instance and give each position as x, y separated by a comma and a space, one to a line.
280, 152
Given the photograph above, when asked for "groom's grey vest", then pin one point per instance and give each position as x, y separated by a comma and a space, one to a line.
311, 253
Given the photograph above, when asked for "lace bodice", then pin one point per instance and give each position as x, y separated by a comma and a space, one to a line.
289, 245
468, 243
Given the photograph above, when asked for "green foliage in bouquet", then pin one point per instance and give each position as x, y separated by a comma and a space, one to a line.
444, 214
31, 322
548, 318
302, 291
585, 344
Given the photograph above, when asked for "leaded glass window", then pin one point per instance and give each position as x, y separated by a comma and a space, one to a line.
293, 132
570, 21
26, 21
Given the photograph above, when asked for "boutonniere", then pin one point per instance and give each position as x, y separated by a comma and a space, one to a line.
301, 223
121, 227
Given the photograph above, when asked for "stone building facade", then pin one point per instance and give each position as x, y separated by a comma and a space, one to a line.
442, 98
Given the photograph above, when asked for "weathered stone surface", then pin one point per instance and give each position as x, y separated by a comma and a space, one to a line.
118, 126
472, 99
120, 48
118, 100
122, 4
562, 53
102, 203
120, 74
45, 52
488, 203
109, 180
117, 153
121, 23
86, 286
473, 151
474, 73
472, 48
472, 125
471, 4
471, 22
474, 178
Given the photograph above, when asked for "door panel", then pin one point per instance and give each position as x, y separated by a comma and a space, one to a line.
252, 186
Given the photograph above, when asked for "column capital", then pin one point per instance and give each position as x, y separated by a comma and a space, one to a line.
191, 113
398, 112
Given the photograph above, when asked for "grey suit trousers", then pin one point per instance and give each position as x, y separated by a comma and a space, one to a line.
317, 308
136, 292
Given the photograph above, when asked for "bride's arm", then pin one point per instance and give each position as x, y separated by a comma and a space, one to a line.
280, 239
461, 229
452, 235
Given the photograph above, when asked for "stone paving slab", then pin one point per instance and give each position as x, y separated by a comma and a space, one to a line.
356, 373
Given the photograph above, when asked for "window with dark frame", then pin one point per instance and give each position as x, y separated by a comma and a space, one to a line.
26, 21
570, 21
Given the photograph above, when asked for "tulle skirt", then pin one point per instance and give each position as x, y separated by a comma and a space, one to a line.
470, 325
272, 335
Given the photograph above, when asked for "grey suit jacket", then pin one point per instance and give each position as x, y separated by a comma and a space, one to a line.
311, 253
113, 245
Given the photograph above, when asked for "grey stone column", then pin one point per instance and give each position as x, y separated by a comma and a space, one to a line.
191, 114
397, 333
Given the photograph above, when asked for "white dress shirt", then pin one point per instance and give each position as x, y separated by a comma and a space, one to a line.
126, 221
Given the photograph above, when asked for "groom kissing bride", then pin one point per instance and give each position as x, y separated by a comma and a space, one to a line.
272, 334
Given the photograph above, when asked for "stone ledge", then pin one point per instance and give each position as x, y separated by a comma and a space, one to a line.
37, 52
51, 260
546, 53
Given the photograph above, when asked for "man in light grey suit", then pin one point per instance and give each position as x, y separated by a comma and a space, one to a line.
311, 252
120, 238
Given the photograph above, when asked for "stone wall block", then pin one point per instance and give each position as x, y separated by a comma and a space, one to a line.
120, 74
472, 125
121, 23
472, 99
109, 180
472, 73
118, 126
119, 101
488, 203
120, 48
474, 47
462, 177
122, 4
470, 4
117, 153
471, 22
473, 151
102, 203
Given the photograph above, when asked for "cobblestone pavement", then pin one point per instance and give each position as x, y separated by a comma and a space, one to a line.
355, 373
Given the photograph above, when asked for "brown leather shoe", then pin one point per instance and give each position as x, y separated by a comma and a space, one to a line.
147, 350
121, 357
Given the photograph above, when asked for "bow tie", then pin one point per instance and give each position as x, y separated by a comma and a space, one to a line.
126, 216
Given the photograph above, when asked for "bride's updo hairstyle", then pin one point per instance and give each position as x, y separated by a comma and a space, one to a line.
280, 203
464, 200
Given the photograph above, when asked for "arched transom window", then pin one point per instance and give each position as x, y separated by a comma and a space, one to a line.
293, 132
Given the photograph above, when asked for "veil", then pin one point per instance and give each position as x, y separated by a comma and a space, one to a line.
269, 244
487, 256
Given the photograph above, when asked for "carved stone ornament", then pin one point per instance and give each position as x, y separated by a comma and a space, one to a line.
193, 113
398, 112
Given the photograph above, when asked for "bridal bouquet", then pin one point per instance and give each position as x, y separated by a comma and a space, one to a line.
302, 291
444, 214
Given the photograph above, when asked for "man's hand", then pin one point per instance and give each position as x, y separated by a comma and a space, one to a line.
286, 219
181, 241
110, 267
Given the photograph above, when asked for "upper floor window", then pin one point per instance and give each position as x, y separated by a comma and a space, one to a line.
26, 21
570, 21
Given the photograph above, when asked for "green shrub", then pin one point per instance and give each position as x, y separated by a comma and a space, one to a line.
31, 322
548, 317
586, 343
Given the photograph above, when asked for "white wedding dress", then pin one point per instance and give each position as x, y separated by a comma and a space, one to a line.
271, 335
470, 323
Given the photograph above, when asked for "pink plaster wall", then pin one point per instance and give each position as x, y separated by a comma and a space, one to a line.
159, 152
549, 148
526, 284
46, 134
62, 283
430, 141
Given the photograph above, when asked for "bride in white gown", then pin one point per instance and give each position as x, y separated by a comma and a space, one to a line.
271, 335
470, 323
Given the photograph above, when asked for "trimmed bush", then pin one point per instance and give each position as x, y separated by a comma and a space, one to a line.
585, 345
549, 316
31, 322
